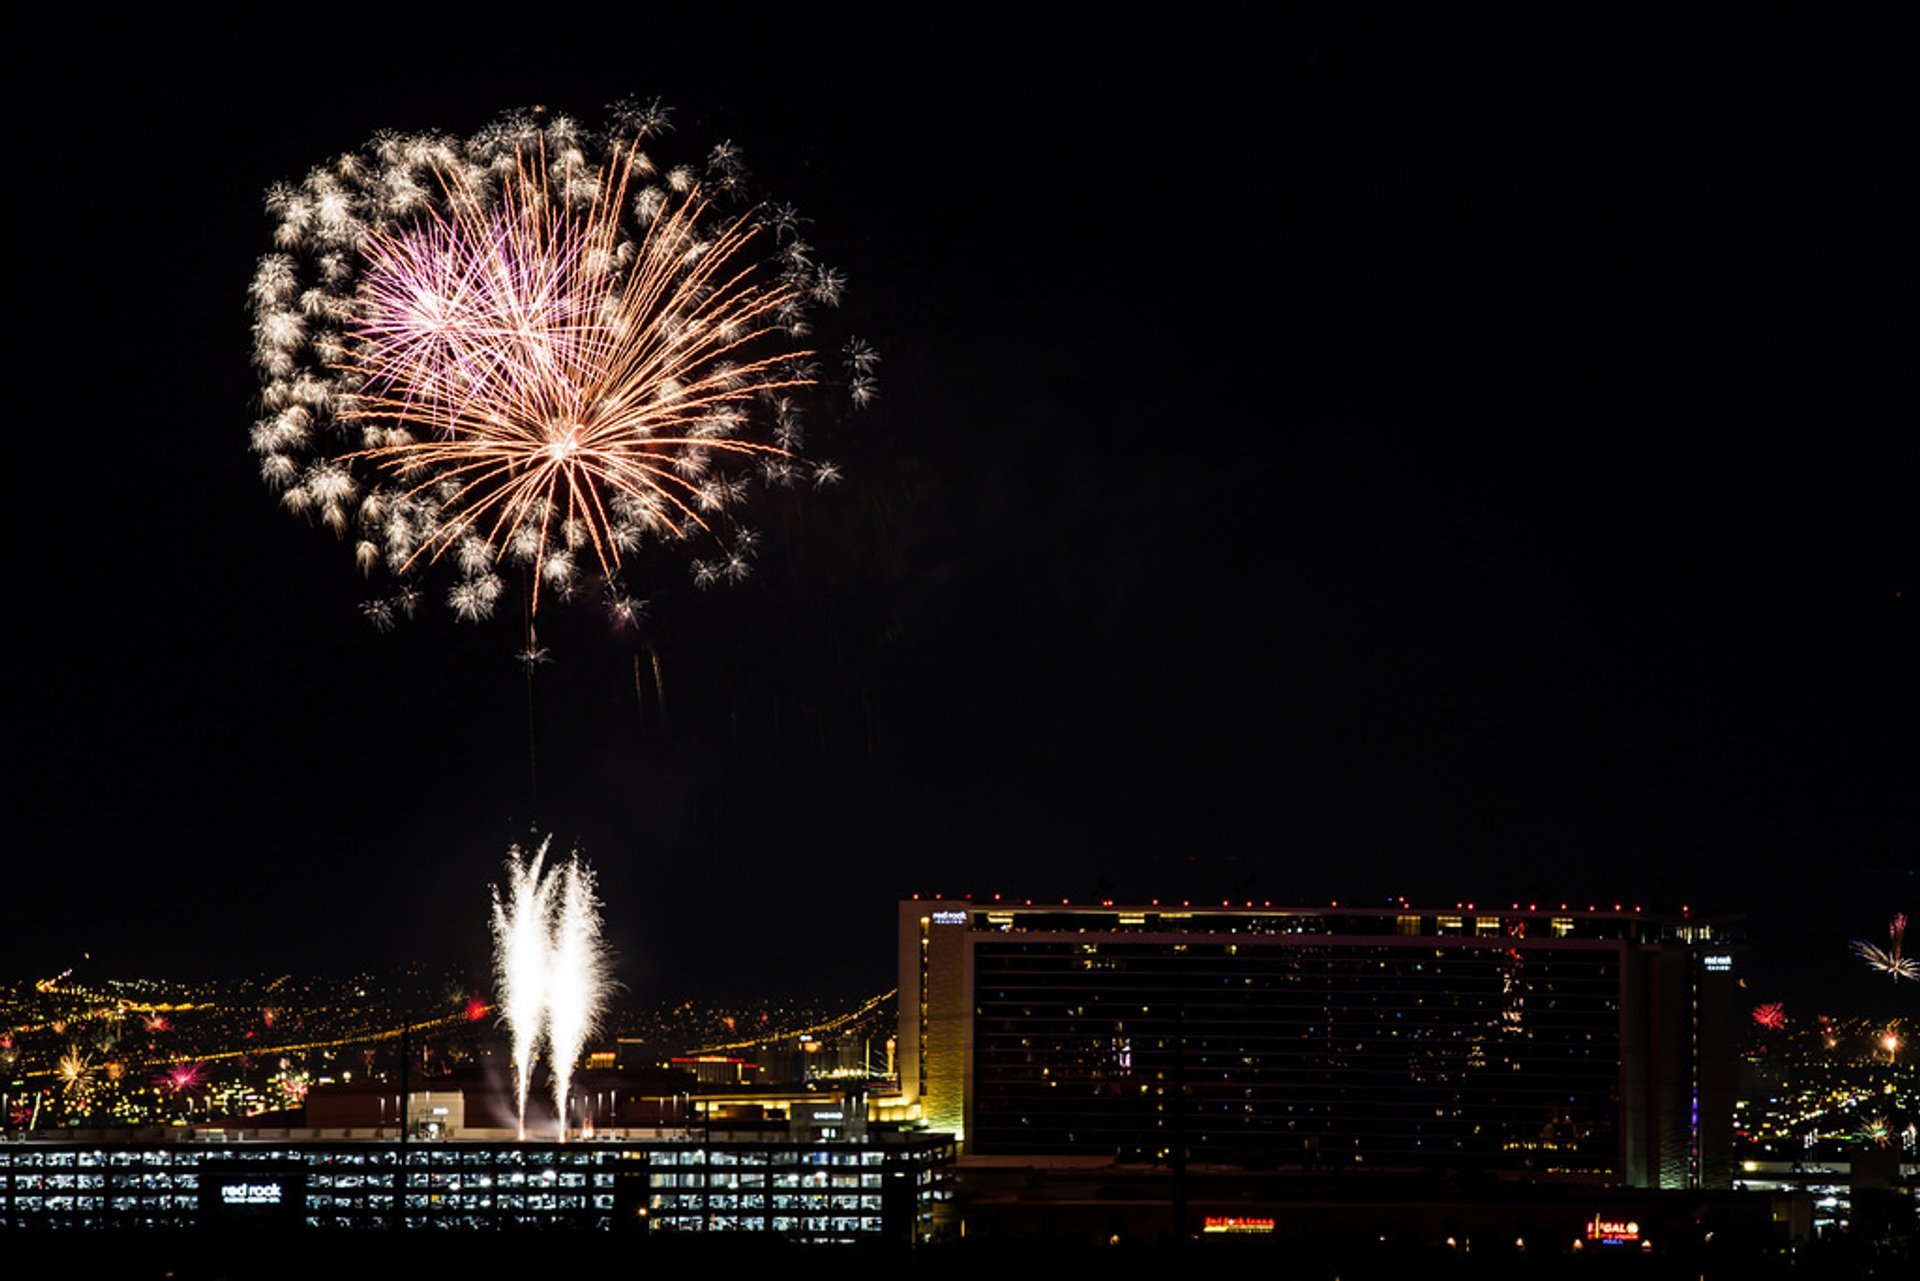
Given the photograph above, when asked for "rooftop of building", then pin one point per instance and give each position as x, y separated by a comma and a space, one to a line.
1532, 919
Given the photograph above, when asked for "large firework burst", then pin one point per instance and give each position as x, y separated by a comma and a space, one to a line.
537, 347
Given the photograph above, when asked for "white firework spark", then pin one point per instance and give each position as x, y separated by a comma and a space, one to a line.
521, 934
551, 969
576, 978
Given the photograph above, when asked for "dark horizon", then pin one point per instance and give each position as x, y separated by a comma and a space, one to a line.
1333, 477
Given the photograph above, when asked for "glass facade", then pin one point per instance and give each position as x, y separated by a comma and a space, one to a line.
1354, 1053
884, 1188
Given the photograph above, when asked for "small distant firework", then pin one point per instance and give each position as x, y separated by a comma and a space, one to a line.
1888, 959
537, 347
182, 1078
550, 964
156, 1023
75, 1070
1772, 1016
292, 1082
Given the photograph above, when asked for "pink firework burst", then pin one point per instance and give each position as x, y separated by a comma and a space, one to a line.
182, 1077
1772, 1016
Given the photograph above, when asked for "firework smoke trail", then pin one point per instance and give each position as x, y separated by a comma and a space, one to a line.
576, 978
536, 346
520, 933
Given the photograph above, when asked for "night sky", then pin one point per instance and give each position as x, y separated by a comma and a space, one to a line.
1302, 473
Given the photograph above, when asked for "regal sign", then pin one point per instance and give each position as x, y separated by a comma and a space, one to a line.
1605, 1231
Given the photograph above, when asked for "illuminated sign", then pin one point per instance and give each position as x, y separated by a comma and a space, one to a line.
949, 918
1719, 961
250, 1194
1235, 1224
829, 1116
1613, 1231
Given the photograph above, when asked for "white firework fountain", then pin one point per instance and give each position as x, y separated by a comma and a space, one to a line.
550, 966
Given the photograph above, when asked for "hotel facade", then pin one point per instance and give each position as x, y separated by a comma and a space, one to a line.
1580, 1044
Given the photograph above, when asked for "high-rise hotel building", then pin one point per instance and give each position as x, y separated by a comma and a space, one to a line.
1592, 1044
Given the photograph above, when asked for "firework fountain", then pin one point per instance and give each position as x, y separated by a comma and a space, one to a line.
550, 966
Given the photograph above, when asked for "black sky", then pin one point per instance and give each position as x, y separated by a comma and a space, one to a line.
1307, 473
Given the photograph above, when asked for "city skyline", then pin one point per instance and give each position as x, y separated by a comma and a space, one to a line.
1297, 480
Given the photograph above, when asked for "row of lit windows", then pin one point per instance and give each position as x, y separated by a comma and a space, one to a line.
120, 1187
467, 1222
350, 1200
69, 1204
1214, 922
548, 1201
778, 1179
816, 1201
698, 1156
87, 1160
219, 1156
442, 1157
92, 1219
1363, 994
507, 1179
1147, 958
822, 1228
58, 1181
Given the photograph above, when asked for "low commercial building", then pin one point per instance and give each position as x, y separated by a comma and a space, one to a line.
880, 1186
